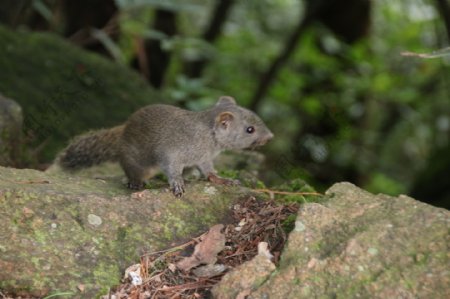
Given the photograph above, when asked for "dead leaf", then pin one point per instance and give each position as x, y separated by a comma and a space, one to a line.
206, 251
172, 267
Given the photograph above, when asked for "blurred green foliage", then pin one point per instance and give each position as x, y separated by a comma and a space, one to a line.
64, 91
387, 112
359, 112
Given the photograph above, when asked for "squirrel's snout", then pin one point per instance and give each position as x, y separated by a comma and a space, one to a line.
266, 138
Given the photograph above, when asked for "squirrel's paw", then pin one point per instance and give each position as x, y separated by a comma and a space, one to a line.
177, 189
135, 186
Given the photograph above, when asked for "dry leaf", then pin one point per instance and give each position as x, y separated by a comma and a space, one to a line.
206, 251
172, 267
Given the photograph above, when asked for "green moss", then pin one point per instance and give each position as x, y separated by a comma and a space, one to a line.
107, 274
229, 173
180, 222
259, 281
74, 247
158, 182
35, 261
59, 294
175, 227
288, 224
296, 185
65, 90
421, 259
260, 185
121, 234
299, 186
295, 198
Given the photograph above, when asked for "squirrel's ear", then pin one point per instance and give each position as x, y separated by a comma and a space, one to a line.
226, 100
224, 119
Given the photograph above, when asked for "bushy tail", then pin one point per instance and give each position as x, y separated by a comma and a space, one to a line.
91, 148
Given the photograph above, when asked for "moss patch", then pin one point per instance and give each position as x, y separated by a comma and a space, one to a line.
65, 90
61, 231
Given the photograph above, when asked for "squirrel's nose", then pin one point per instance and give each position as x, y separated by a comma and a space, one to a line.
266, 138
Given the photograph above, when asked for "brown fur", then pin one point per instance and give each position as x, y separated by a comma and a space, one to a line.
169, 138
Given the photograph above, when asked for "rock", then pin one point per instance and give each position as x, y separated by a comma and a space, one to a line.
360, 245
59, 232
65, 90
11, 119
240, 282
245, 278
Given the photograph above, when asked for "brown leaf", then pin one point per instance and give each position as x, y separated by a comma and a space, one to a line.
206, 251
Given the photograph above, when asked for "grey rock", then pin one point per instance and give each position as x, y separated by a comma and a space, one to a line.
69, 233
360, 245
11, 120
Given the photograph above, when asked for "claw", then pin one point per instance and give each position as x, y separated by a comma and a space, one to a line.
135, 186
178, 189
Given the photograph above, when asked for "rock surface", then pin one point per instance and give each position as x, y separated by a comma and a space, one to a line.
240, 282
360, 245
66, 233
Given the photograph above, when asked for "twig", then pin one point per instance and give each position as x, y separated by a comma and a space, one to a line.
173, 249
187, 286
434, 54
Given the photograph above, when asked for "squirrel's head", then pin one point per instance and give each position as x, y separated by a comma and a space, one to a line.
238, 128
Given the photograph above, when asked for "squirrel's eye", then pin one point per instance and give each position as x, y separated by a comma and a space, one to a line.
250, 130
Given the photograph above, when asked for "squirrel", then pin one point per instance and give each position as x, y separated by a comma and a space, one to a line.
168, 138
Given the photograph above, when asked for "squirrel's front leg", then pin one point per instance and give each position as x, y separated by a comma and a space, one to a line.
207, 168
175, 176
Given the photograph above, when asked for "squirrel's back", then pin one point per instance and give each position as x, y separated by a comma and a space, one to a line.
160, 128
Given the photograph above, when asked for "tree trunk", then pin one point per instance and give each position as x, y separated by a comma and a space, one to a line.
348, 19
194, 68
444, 9
152, 59
80, 16
269, 76
11, 11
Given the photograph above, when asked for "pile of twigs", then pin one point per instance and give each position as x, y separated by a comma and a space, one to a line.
253, 222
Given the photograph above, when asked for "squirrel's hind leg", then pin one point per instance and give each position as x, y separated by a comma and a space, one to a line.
137, 174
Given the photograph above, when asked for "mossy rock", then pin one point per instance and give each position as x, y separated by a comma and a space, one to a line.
359, 245
63, 233
65, 90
